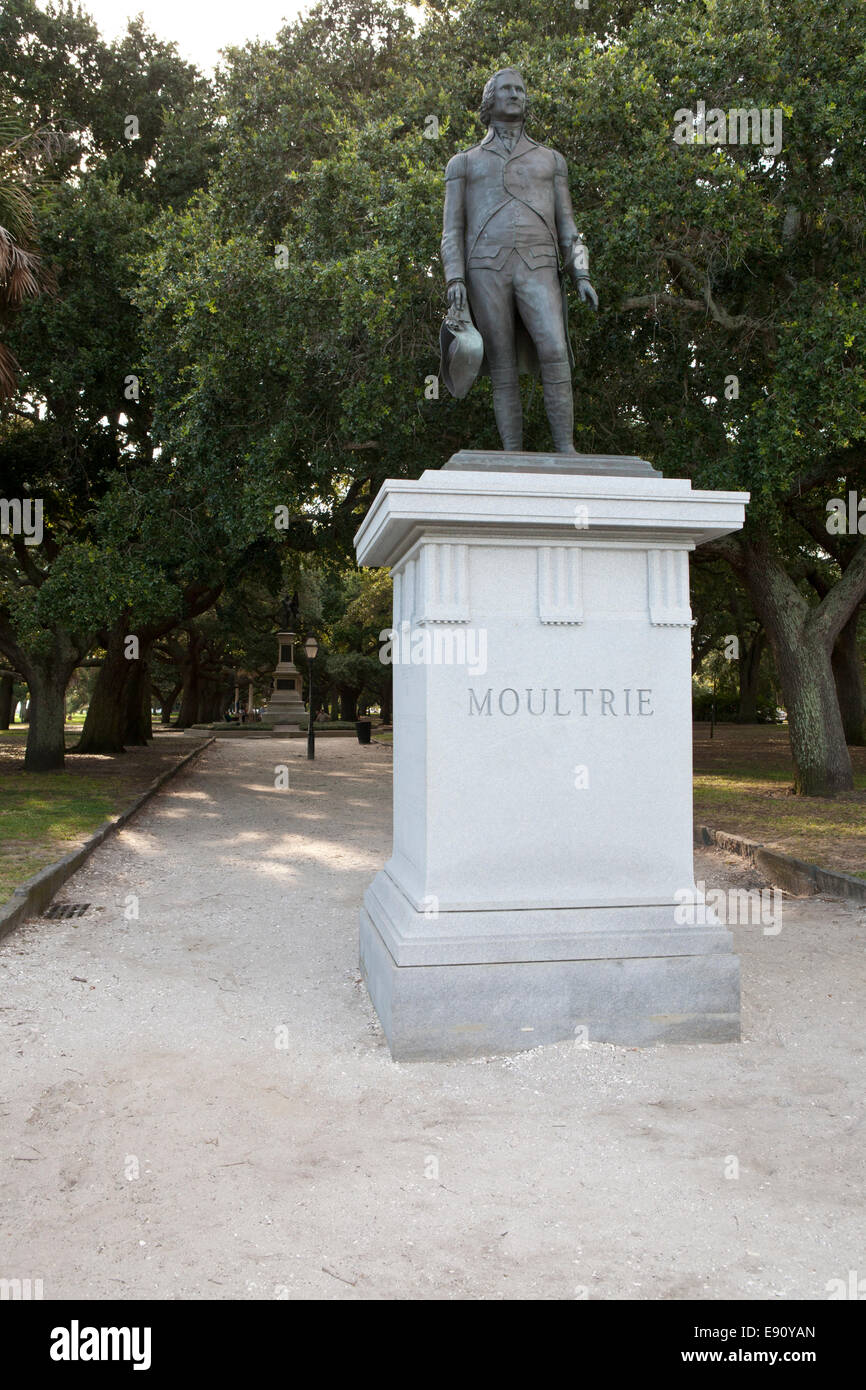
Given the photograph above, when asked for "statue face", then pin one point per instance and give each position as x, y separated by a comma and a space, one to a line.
509, 99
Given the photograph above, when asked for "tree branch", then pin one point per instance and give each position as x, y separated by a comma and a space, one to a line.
25, 559
834, 610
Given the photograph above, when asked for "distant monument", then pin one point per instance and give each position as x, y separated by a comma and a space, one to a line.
285, 708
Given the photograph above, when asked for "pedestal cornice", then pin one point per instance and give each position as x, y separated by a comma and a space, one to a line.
556, 507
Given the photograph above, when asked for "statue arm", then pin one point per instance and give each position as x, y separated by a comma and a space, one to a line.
572, 246
453, 248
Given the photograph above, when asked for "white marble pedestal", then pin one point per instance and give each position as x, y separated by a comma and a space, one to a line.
542, 760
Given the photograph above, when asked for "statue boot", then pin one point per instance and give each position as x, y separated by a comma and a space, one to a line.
559, 404
507, 409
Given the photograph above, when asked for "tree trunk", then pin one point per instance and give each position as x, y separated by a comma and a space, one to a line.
216, 704
385, 703
105, 724
210, 698
749, 672
822, 763
167, 702
7, 684
848, 675
221, 701
138, 726
190, 694
46, 743
348, 701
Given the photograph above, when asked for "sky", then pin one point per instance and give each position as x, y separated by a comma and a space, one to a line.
200, 28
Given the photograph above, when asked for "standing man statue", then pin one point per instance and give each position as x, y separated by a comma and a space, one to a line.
288, 613
508, 225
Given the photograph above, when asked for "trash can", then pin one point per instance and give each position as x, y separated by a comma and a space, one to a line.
363, 727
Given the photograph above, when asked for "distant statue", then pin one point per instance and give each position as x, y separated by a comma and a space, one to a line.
507, 227
288, 613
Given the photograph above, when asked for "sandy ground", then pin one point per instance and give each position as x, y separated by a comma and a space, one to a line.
200, 1104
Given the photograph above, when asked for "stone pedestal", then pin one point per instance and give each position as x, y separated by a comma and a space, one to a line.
542, 760
285, 708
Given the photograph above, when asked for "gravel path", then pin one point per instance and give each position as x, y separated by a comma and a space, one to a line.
199, 1103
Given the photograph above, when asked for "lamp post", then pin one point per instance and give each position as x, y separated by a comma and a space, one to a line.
311, 647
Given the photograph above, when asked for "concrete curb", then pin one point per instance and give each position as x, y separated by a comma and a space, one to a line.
794, 876
31, 897
254, 732
277, 733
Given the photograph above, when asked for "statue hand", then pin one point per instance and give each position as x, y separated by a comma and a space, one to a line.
457, 299
587, 293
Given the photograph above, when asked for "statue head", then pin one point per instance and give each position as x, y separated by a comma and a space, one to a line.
504, 97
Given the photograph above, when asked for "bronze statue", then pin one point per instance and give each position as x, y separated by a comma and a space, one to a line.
507, 227
288, 613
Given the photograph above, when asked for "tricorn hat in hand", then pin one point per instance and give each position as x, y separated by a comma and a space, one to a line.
462, 353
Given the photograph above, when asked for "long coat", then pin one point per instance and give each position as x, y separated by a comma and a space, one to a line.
481, 181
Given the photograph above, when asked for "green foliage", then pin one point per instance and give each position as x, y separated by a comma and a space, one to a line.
311, 371
116, 539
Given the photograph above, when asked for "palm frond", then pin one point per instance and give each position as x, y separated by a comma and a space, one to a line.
16, 212
23, 157
19, 272
8, 372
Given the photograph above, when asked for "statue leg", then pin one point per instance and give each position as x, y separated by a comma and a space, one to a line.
507, 408
559, 404
539, 300
492, 299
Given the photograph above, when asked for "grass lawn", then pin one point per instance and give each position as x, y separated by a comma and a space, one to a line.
43, 815
743, 778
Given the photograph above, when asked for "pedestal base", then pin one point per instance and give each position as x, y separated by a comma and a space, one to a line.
541, 646
283, 723
475, 983
286, 712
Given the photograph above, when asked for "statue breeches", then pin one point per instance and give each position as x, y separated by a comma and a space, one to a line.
497, 295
